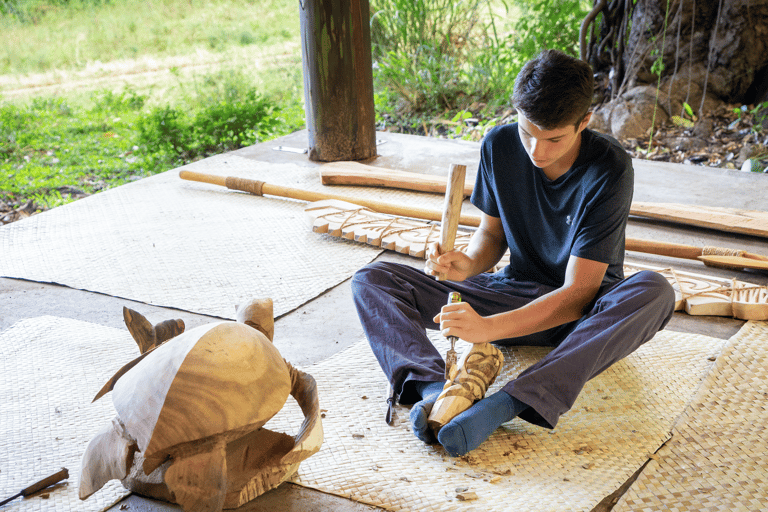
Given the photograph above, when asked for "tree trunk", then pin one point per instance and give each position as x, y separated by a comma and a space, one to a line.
699, 52
338, 79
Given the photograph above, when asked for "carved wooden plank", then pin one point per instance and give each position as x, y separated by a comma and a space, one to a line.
698, 294
355, 173
352, 222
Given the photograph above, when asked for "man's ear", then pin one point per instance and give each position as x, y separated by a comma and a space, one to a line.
584, 122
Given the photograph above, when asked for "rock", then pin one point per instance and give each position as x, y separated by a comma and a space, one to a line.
688, 144
630, 116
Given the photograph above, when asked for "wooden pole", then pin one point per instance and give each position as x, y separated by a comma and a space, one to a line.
338, 79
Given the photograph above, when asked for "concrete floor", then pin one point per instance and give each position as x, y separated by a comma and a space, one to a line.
654, 183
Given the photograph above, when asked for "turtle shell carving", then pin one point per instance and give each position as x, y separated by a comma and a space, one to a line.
221, 378
190, 415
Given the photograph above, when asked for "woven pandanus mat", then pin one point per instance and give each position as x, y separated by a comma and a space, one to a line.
193, 246
50, 370
622, 417
717, 459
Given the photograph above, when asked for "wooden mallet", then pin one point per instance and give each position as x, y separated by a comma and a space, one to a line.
454, 196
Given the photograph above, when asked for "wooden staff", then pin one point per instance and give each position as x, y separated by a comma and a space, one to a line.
261, 188
454, 196
735, 260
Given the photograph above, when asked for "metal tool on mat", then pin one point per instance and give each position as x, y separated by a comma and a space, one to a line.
40, 485
450, 356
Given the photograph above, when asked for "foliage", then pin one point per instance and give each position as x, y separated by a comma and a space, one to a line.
688, 119
756, 117
420, 47
551, 24
432, 56
222, 126
54, 152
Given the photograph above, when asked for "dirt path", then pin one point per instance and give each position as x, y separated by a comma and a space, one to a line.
148, 75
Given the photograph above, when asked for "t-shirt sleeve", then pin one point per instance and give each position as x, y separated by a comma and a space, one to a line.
602, 234
482, 194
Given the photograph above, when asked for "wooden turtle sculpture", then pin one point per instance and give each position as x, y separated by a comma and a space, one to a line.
191, 410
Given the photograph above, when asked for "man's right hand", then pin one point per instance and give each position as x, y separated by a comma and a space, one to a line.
455, 265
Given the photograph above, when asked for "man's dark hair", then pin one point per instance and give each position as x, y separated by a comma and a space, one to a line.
554, 90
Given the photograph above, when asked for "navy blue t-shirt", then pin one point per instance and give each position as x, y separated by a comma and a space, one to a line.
582, 213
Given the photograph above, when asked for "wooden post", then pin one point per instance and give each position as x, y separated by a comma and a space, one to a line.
338, 79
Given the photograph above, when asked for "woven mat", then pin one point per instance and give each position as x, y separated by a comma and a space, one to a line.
193, 246
717, 459
621, 417
50, 370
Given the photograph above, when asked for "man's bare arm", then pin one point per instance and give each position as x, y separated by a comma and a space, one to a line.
560, 306
486, 247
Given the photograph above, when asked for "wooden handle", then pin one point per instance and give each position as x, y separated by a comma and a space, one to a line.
663, 248
307, 195
46, 482
454, 196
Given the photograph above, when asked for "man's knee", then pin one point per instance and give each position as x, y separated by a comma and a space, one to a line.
656, 292
371, 274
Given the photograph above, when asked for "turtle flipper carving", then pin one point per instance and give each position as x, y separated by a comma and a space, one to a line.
467, 383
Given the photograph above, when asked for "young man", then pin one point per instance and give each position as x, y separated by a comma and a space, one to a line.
557, 196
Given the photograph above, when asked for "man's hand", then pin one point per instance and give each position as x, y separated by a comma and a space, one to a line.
461, 320
454, 264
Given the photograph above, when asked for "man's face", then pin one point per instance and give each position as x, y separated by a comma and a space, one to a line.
554, 151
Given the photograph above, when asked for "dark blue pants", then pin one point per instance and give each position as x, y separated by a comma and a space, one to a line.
396, 303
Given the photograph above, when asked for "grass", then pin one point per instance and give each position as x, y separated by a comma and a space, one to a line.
53, 152
41, 36
194, 79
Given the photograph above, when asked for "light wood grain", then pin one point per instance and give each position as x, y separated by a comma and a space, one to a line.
468, 381
454, 195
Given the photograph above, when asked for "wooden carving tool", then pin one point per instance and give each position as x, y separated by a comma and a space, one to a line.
39, 486
454, 196
750, 261
731, 220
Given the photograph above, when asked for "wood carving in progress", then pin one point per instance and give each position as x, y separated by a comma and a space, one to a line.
191, 410
704, 295
352, 222
467, 383
696, 294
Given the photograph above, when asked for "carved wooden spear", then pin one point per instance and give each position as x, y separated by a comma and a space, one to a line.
719, 256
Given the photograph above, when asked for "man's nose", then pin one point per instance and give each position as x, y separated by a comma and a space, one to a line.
537, 148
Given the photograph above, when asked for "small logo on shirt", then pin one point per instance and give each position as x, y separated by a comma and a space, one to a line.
568, 220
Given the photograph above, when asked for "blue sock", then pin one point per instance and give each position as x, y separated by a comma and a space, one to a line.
429, 392
469, 429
